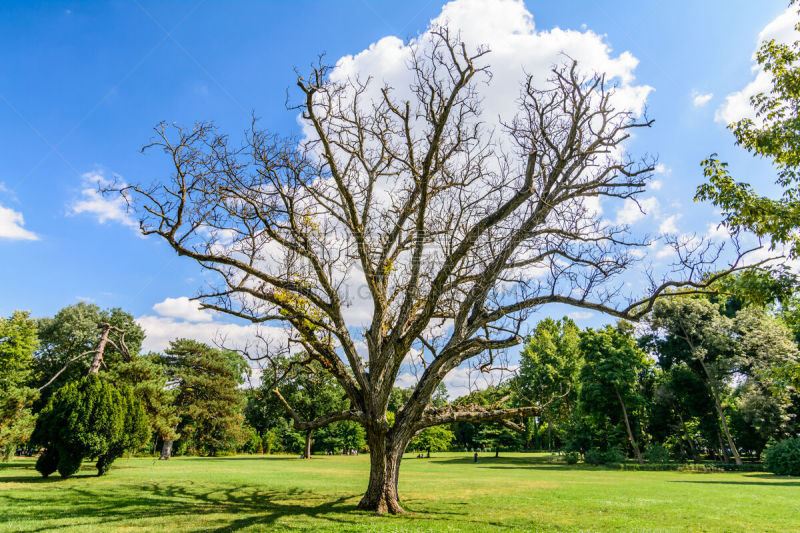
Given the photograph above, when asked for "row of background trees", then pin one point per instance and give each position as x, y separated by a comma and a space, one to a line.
703, 377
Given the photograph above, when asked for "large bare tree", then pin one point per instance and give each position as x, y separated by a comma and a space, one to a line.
455, 230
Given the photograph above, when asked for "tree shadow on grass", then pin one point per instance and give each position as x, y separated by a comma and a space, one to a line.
123, 505
54, 478
15, 465
87, 470
220, 507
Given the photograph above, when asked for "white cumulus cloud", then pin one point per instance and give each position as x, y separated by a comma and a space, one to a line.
161, 330
700, 99
632, 211
11, 226
737, 104
668, 225
718, 232
104, 209
517, 47
184, 308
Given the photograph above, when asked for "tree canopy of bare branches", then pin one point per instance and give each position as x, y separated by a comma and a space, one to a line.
454, 229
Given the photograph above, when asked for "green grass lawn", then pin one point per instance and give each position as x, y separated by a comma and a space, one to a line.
445, 493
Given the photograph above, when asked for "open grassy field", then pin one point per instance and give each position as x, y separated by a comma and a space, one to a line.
445, 493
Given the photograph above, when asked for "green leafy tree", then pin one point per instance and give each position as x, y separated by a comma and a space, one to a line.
74, 331
763, 404
680, 413
766, 288
774, 134
208, 401
610, 376
497, 436
486, 434
342, 435
147, 378
312, 394
696, 333
18, 341
263, 409
88, 418
398, 398
432, 439
550, 365
735, 356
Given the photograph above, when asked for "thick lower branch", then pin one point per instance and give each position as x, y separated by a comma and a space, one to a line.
474, 413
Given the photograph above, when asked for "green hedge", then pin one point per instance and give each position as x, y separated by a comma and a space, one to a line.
692, 467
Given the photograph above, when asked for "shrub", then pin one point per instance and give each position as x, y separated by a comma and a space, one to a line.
593, 456
613, 455
88, 418
47, 463
224, 453
271, 441
656, 453
135, 430
571, 457
783, 458
69, 462
253, 443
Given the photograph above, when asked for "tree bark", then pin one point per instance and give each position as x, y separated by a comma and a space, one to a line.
721, 413
94, 368
166, 450
307, 452
686, 436
166, 446
385, 456
722, 449
628, 427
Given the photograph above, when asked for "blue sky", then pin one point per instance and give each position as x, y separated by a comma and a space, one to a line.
83, 84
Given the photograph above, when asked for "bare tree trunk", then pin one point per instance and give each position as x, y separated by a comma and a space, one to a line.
166, 450
385, 457
307, 452
628, 427
166, 446
722, 449
721, 414
94, 368
717, 404
549, 436
728, 436
688, 437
